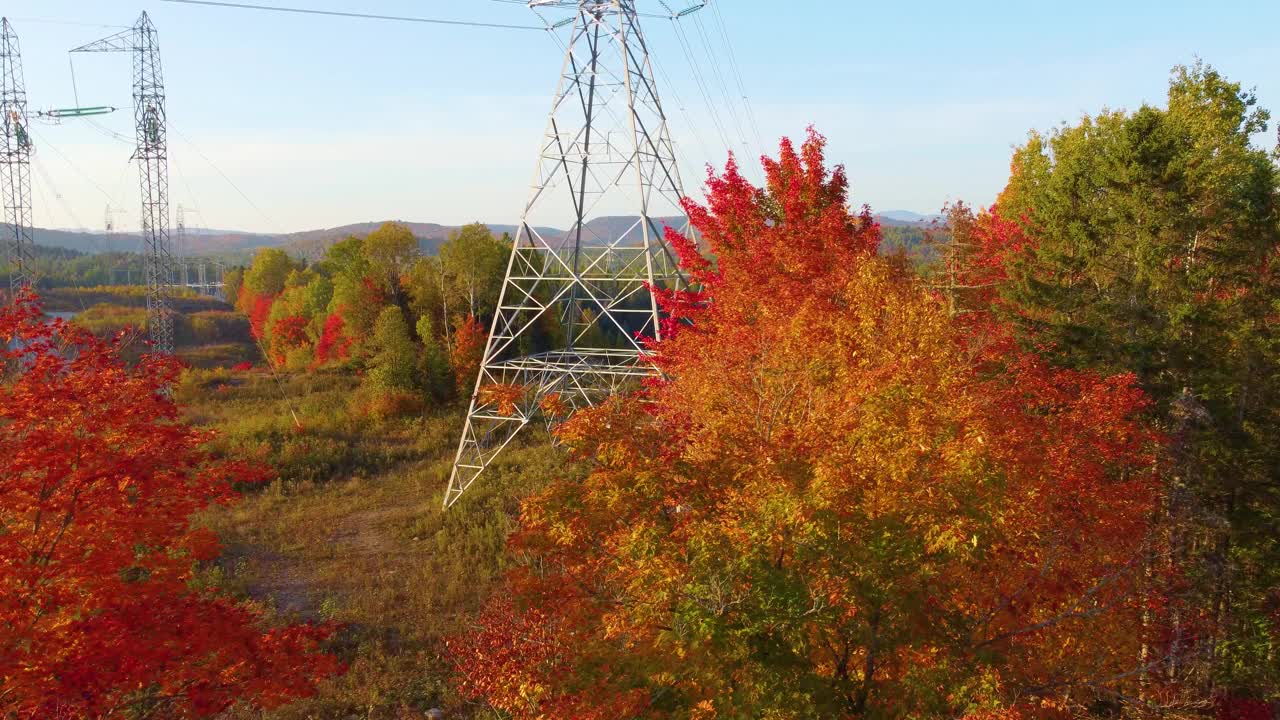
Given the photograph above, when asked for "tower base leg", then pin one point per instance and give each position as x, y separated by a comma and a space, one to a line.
547, 386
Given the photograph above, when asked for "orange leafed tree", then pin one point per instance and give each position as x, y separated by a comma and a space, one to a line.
467, 353
839, 503
98, 617
257, 307
288, 333
332, 345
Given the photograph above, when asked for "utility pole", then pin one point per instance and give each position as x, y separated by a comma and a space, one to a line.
15, 166
153, 165
182, 248
109, 222
180, 233
606, 153
109, 230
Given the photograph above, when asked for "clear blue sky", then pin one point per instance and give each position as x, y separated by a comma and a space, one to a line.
323, 122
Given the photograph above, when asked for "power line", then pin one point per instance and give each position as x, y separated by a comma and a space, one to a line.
108, 133
737, 71
53, 188
230, 182
701, 83
669, 88
75, 91
358, 15
183, 177
66, 22
718, 76
59, 252
72, 164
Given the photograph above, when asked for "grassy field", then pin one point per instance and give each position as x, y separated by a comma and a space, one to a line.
208, 333
352, 531
81, 298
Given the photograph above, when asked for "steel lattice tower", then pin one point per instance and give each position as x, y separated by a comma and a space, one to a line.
575, 308
15, 168
152, 155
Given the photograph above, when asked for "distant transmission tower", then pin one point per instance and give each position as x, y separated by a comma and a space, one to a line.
109, 233
15, 167
152, 155
180, 232
574, 307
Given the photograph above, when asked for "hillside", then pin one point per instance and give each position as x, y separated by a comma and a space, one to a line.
893, 218
311, 244
202, 243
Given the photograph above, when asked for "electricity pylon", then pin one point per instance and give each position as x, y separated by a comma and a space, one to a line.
182, 248
152, 154
15, 166
180, 231
576, 308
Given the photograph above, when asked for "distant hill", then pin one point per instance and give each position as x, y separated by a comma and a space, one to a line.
223, 243
207, 243
601, 229
82, 241
906, 217
311, 244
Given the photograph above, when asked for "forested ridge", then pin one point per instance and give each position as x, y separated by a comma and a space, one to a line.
1024, 464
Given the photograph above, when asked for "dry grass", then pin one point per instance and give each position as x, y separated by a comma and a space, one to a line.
205, 339
354, 533
220, 355
76, 299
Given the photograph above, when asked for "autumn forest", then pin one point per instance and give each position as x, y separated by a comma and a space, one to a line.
1025, 468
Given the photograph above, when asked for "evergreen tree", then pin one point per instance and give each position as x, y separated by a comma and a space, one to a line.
394, 363
433, 362
1147, 241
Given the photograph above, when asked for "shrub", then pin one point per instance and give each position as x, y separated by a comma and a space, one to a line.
211, 327
393, 367
381, 404
297, 359
106, 319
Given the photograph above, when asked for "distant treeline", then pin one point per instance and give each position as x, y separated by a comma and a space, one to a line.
918, 242
64, 268
60, 267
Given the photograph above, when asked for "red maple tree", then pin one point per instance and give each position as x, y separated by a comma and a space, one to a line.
467, 353
288, 333
98, 616
838, 502
258, 307
333, 344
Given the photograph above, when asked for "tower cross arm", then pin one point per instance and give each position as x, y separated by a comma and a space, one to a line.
123, 41
670, 10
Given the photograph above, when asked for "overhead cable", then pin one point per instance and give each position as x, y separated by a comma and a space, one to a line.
358, 15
